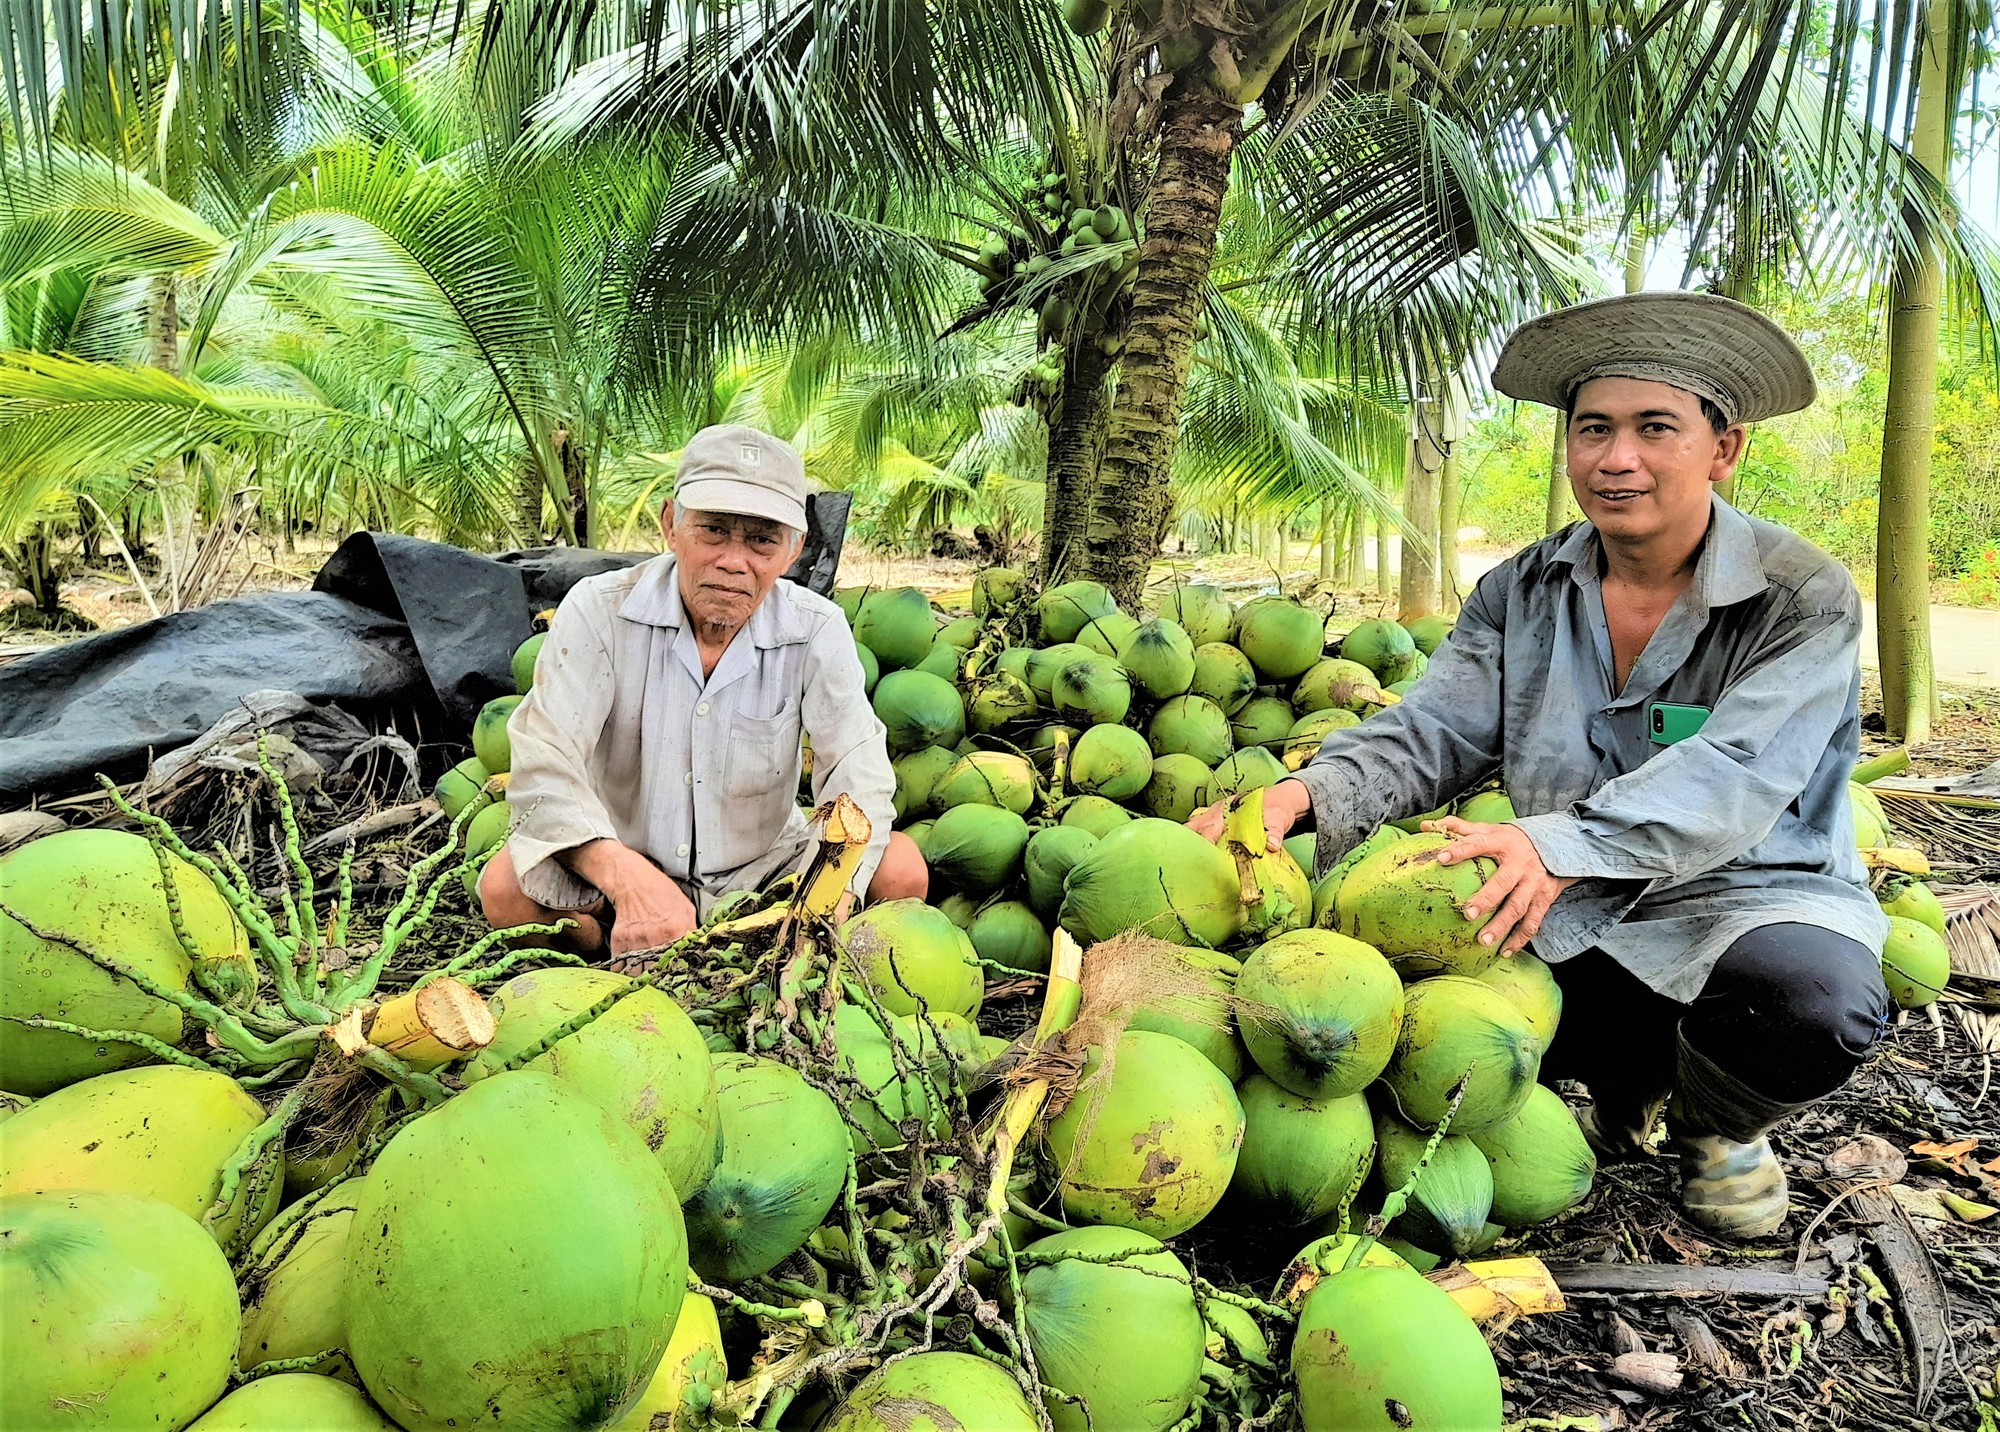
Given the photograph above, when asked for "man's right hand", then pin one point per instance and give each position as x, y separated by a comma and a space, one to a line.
652, 913
1284, 803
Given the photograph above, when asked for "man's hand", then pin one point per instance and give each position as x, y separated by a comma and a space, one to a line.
652, 913
1519, 893
1284, 803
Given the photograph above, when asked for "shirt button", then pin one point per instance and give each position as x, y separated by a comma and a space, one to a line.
701, 710
681, 849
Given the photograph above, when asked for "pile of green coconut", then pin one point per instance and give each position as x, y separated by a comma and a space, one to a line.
276, 1154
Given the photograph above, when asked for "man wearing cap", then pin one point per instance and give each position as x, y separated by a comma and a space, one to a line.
656, 760
1669, 691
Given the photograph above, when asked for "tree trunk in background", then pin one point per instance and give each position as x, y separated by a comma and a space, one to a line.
1329, 539
177, 508
1448, 593
574, 464
1356, 572
1385, 581
528, 502
1076, 444
1131, 505
1902, 533
1562, 506
1422, 460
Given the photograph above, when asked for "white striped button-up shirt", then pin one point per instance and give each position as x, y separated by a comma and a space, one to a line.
623, 739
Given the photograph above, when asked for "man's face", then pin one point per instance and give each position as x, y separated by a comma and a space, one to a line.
1643, 457
728, 563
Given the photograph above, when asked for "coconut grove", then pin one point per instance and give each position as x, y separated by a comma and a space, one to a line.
709, 796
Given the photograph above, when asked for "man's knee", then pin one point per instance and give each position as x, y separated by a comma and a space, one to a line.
501, 899
1799, 1006
902, 875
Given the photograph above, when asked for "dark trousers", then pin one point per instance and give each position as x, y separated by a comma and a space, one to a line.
1789, 1011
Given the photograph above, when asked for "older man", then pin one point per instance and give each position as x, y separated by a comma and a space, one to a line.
1669, 691
656, 760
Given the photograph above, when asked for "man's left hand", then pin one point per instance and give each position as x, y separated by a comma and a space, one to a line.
1519, 893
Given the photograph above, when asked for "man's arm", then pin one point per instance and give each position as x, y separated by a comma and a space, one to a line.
1705, 800
850, 753
561, 825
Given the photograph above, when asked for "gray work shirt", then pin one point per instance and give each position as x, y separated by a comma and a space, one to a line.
622, 738
1682, 848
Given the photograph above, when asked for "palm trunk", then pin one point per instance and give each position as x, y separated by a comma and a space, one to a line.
1329, 541
1384, 577
1902, 535
1558, 515
528, 502
1423, 459
1130, 508
573, 462
1355, 571
1448, 532
177, 507
1076, 445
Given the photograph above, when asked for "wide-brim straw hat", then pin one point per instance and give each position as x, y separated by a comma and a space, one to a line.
1702, 343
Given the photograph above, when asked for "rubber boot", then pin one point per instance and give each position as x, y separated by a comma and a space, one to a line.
1619, 1129
1731, 1183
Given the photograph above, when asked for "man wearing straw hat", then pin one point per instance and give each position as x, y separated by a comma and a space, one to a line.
1669, 691
657, 757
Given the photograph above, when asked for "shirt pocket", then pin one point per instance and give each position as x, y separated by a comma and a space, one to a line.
763, 757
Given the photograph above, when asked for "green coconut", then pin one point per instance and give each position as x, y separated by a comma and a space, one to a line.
1013, 661
1281, 637
295, 1300
1150, 1141
1157, 877
1326, 889
1486, 808
685, 1384
1328, 1255
959, 909
1453, 1199
935, 1392
995, 778
784, 1161
1530, 986
1385, 1350
1050, 853
1261, 721
102, 890
1411, 907
1063, 611
960, 632
871, 668
1092, 690
1541, 1163
489, 734
897, 625
1871, 822
1085, 1319
1301, 1157
1304, 849
487, 829
1010, 933
1159, 655
1096, 814
995, 589
1104, 635
1045, 665
1400, 688
116, 1312
1321, 1012
1916, 963
1377, 645
1309, 733
1043, 743
460, 786
291, 1401
849, 600
1414, 824
1427, 633
1191, 726
162, 1131
522, 1186
975, 848
918, 709
1224, 675
910, 954
1335, 684
1177, 788
888, 1099
997, 701
1201, 1013
642, 1061
1404, 670
1452, 1024
1911, 899
1251, 768
524, 662
1111, 761
943, 661
1276, 891
1203, 612
917, 774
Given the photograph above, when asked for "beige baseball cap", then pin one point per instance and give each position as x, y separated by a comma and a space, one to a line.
1701, 343
737, 469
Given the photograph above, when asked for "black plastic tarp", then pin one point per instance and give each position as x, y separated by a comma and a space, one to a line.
391, 623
